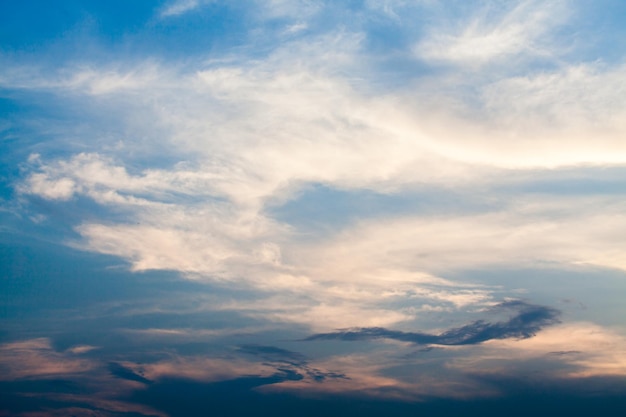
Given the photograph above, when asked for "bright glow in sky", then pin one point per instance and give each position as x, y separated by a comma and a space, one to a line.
287, 206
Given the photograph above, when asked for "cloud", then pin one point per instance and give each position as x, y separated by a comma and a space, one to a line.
86, 79
532, 231
60, 383
62, 189
273, 353
185, 161
266, 364
206, 369
293, 362
584, 395
526, 323
585, 99
80, 349
583, 349
120, 371
175, 335
179, 7
290, 8
494, 31
35, 358
378, 374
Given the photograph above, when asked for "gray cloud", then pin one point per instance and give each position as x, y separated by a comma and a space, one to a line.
526, 322
120, 371
290, 363
273, 353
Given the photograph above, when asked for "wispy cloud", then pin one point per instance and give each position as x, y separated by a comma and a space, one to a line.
494, 31
179, 7
37, 358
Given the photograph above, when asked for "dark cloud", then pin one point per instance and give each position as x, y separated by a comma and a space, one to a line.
543, 385
320, 376
123, 372
297, 363
565, 352
273, 353
527, 320
419, 352
62, 398
519, 397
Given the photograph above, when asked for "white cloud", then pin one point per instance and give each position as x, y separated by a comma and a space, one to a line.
179, 7
580, 101
495, 31
98, 82
85, 79
535, 233
80, 349
295, 28
586, 349
289, 8
60, 189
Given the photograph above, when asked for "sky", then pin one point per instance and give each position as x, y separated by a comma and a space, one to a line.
312, 207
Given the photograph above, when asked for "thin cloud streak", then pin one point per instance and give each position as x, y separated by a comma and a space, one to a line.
494, 32
179, 7
526, 323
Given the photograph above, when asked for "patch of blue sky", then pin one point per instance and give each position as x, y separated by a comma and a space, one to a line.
57, 123
33, 30
596, 35
74, 32
319, 208
581, 181
37, 125
85, 298
582, 186
582, 293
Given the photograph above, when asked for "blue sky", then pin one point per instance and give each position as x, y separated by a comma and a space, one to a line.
409, 205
